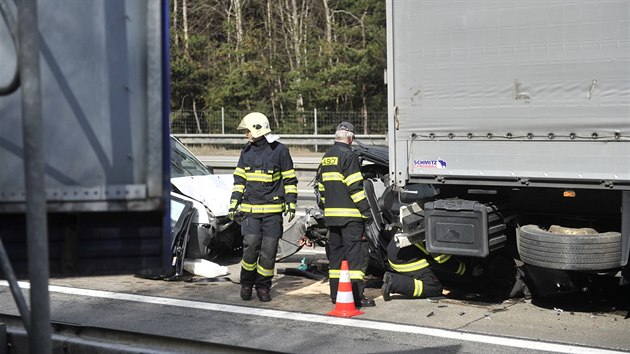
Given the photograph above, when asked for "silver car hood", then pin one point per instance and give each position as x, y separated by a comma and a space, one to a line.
214, 191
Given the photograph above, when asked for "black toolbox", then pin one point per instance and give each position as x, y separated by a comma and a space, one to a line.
464, 227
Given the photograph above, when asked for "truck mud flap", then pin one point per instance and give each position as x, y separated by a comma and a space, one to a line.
546, 249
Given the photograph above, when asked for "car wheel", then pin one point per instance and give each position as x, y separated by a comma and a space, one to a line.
569, 249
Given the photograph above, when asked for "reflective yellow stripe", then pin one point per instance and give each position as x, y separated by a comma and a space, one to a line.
259, 176
288, 174
233, 203
238, 188
240, 172
462, 269
334, 273
290, 189
356, 274
323, 199
353, 178
248, 266
421, 247
358, 196
342, 212
409, 267
332, 176
264, 271
417, 288
262, 208
442, 258
321, 187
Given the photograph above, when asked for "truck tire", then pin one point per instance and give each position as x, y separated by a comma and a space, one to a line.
599, 251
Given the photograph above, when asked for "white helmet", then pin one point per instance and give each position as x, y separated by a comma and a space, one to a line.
257, 123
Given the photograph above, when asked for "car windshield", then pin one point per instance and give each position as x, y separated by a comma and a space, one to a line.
183, 163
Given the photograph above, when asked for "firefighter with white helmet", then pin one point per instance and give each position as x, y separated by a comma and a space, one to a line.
265, 186
256, 123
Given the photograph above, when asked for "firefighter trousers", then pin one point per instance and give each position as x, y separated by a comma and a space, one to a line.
420, 283
414, 268
261, 235
348, 242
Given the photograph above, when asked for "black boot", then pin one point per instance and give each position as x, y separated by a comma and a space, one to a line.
246, 292
263, 295
365, 302
386, 289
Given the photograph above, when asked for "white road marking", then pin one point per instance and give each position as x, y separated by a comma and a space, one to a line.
349, 322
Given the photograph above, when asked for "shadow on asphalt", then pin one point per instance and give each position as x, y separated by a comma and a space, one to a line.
607, 298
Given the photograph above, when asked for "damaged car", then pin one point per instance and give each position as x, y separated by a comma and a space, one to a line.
200, 227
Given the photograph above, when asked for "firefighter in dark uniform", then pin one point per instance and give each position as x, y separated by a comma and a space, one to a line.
346, 213
265, 185
414, 268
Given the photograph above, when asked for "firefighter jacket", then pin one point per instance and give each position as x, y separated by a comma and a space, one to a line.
340, 187
264, 179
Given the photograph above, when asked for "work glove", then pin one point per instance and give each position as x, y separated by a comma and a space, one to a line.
290, 210
233, 209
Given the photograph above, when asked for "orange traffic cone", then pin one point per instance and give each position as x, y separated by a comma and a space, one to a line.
344, 306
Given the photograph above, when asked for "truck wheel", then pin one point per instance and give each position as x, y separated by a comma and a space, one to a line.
560, 248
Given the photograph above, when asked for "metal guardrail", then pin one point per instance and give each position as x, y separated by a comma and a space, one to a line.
75, 338
287, 139
228, 163
304, 166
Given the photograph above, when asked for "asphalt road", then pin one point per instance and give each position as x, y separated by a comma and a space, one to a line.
295, 321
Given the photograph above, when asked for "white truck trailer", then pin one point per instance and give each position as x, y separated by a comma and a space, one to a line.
516, 113
104, 133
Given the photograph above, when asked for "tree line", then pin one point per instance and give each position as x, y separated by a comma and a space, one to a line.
280, 57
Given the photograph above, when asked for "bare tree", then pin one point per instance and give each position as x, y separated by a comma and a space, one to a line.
185, 19
364, 109
175, 30
238, 23
271, 52
285, 52
296, 19
328, 18
361, 22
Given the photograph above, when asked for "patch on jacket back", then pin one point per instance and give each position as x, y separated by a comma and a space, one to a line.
330, 161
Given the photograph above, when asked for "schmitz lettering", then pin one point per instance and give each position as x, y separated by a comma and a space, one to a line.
429, 163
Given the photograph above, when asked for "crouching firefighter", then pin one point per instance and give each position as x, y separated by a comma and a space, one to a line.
414, 268
346, 213
265, 185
